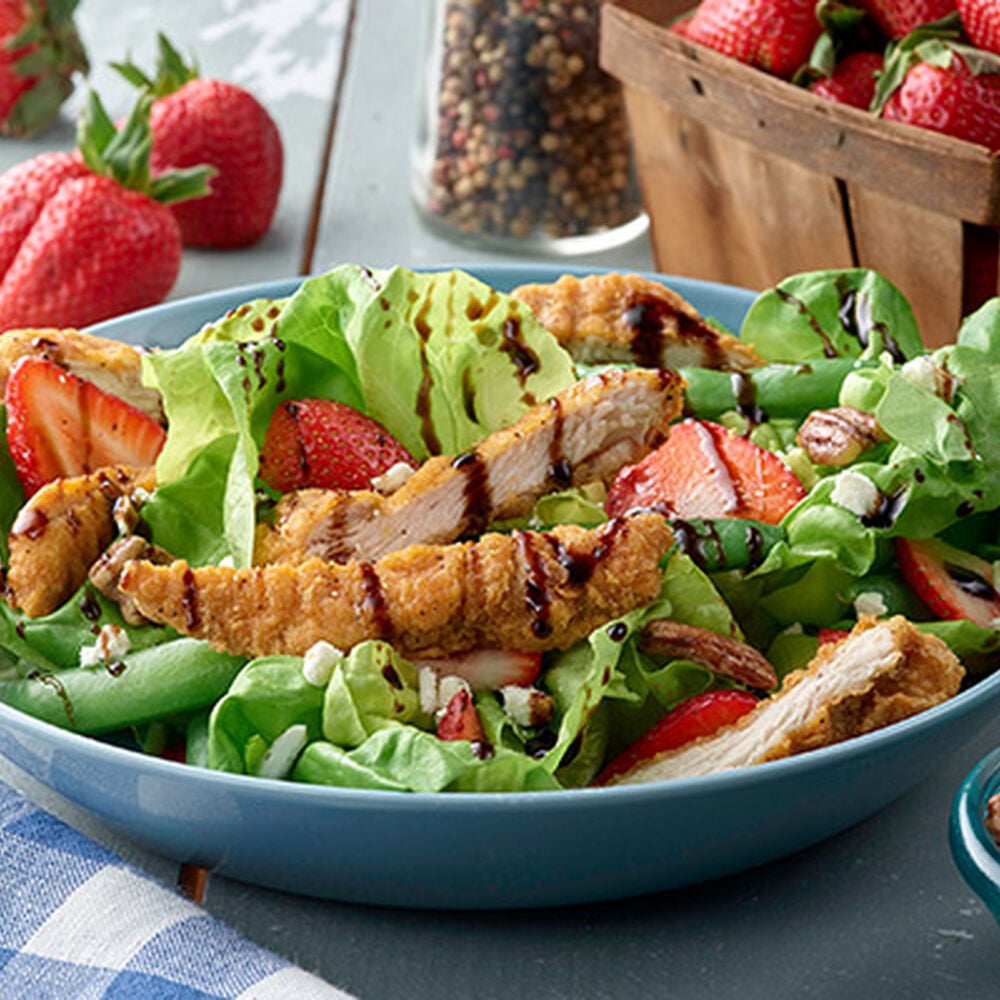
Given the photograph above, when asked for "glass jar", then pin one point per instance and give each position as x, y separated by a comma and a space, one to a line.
523, 141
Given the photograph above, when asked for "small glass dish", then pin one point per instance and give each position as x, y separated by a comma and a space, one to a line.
973, 845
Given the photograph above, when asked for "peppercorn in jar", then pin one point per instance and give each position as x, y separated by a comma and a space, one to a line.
523, 139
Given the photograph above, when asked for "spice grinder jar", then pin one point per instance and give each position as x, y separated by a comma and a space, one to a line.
522, 140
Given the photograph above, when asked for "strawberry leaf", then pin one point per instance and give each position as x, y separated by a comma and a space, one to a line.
123, 154
132, 74
934, 43
171, 71
54, 53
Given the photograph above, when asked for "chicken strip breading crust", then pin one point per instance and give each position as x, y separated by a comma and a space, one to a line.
628, 318
60, 531
523, 591
582, 435
884, 671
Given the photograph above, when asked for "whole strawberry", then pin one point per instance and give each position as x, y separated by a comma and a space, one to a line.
899, 17
946, 88
852, 80
87, 236
201, 120
981, 19
40, 51
773, 35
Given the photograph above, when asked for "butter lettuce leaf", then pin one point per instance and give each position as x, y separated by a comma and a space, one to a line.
853, 313
441, 360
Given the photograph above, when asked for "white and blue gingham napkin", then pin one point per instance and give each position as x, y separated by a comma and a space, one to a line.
77, 921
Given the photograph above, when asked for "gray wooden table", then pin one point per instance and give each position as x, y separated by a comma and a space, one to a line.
878, 911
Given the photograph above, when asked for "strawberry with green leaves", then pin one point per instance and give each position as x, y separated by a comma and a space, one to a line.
197, 120
40, 52
87, 236
852, 80
935, 81
843, 64
774, 35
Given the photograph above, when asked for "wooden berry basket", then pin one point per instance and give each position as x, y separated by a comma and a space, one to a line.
747, 178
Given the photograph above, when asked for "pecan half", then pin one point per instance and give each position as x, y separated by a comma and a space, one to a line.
719, 653
105, 571
837, 437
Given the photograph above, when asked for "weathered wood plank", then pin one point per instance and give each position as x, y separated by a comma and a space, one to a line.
723, 210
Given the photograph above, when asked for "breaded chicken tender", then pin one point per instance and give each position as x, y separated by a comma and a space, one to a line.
584, 434
112, 366
523, 591
61, 530
883, 672
628, 318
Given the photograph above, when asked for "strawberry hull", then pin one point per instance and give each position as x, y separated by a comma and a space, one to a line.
766, 179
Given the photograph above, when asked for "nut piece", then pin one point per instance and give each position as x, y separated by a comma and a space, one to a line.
105, 571
719, 653
837, 437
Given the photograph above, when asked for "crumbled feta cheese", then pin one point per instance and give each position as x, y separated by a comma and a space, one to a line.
923, 373
526, 706
856, 492
870, 602
283, 752
318, 663
393, 477
427, 686
112, 644
794, 629
227, 562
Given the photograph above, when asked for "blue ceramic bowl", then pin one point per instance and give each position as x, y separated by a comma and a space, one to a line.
975, 851
475, 850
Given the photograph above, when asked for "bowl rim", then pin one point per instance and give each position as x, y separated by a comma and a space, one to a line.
975, 851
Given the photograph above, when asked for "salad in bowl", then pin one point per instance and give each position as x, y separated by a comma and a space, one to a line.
403, 532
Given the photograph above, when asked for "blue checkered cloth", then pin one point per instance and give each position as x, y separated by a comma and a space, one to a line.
76, 922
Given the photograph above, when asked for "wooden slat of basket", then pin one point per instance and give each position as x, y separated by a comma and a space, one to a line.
914, 165
722, 210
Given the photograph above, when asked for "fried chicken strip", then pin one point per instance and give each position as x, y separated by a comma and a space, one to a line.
625, 317
583, 434
61, 530
884, 671
524, 591
113, 366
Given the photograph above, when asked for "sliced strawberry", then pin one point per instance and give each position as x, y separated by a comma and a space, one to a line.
953, 583
61, 425
699, 716
322, 443
703, 470
460, 720
488, 669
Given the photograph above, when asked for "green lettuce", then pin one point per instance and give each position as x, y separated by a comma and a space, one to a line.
441, 360
854, 313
